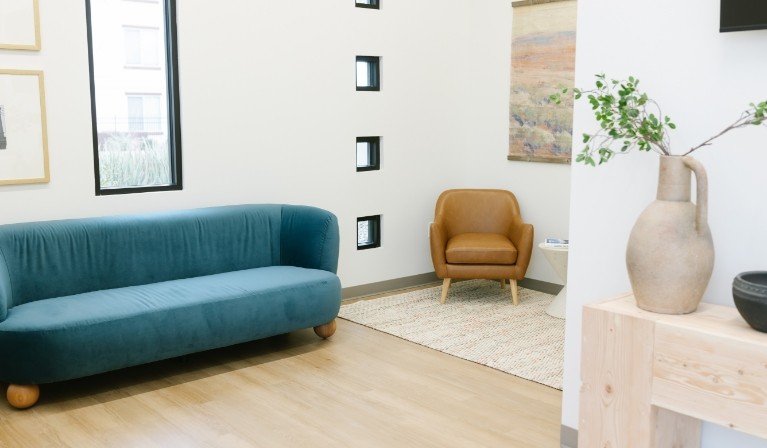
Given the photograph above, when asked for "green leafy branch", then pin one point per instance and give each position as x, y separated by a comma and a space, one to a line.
630, 118
755, 115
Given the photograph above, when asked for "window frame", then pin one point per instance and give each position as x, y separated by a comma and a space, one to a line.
173, 107
153, 128
142, 34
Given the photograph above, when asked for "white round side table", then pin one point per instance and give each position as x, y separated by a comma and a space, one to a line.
557, 257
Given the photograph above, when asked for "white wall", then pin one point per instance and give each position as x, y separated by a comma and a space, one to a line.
703, 80
542, 189
270, 114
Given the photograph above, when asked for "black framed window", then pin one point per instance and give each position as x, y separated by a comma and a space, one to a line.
368, 73
374, 4
368, 232
368, 153
3, 140
134, 96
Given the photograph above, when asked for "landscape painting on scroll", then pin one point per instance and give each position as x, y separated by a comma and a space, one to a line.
542, 61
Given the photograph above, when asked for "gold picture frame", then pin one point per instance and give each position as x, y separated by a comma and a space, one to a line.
20, 25
23, 128
542, 60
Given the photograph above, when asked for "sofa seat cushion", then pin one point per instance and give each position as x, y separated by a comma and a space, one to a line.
480, 248
73, 336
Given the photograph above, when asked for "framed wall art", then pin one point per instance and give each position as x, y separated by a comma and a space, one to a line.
20, 25
542, 60
23, 135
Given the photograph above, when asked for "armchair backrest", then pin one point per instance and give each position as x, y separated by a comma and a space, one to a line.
477, 210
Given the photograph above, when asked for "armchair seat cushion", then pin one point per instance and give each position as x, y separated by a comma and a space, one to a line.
480, 248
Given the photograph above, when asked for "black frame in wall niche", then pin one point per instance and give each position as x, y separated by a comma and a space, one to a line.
373, 232
370, 4
372, 82
372, 149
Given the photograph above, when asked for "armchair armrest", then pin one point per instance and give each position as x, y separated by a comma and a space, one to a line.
438, 243
522, 236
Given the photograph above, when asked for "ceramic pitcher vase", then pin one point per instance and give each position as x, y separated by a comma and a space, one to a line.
670, 253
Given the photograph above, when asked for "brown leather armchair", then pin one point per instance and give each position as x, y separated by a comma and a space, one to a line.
480, 234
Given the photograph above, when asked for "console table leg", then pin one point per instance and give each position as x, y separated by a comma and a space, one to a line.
616, 375
616, 407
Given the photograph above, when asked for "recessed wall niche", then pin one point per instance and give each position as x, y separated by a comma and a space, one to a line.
368, 232
371, 4
368, 72
368, 153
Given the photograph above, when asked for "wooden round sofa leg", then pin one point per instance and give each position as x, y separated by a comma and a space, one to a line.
22, 396
325, 331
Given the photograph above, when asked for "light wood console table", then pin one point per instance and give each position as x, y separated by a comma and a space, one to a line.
649, 379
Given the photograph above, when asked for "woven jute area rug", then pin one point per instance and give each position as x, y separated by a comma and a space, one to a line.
478, 323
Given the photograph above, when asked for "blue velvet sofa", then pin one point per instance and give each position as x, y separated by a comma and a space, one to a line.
84, 296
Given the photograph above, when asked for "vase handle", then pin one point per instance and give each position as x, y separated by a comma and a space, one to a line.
701, 182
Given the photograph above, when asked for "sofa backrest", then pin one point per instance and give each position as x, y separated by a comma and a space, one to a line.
40, 260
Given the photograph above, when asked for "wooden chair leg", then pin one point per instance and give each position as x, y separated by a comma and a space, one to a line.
514, 292
22, 396
503, 283
445, 287
325, 331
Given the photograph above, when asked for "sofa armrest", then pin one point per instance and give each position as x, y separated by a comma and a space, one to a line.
309, 238
6, 294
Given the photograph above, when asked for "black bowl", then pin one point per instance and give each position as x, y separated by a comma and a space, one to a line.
749, 289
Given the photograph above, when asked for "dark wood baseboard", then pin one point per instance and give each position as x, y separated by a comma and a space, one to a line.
540, 286
568, 437
388, 286
427, 279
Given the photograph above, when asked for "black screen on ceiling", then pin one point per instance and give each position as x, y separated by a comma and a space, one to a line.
743, 15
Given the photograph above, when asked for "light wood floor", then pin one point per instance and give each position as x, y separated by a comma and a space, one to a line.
360, 388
